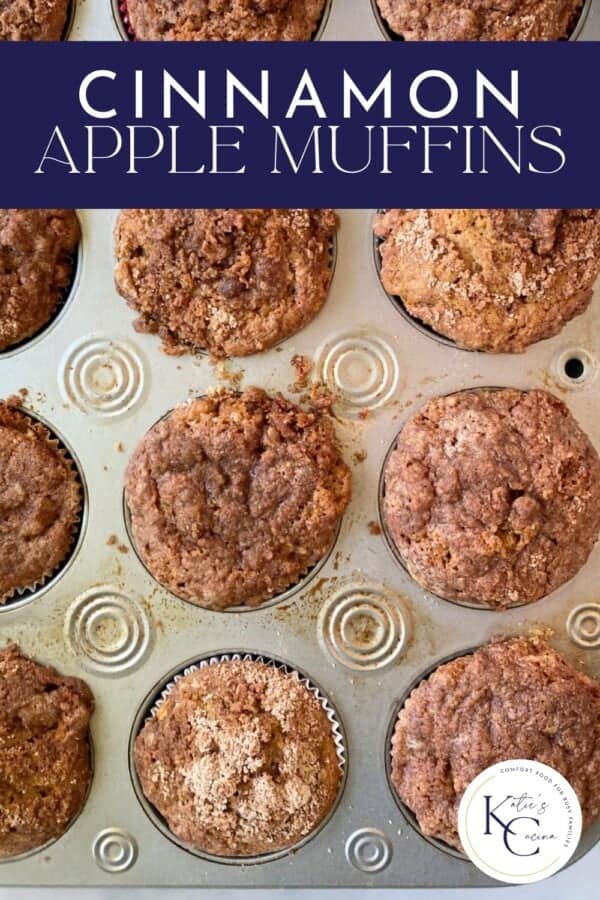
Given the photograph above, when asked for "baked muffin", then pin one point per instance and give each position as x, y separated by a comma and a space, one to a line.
481, 20
515, 698
234, 497
492, 497
33, 20
223, 20
491, 279
230, 281
36, 265
240, 759
45, 768
40, 502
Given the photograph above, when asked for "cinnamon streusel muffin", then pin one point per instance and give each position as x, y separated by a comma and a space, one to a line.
36, 265
492, 497
223, 20
231, 281
240, 759
40, 502
234, 497
491, 279
481, 20
45, 768
33, 20
515, 698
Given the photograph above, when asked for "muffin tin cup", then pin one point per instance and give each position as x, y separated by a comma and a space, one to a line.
160, 693
391, 544
390, 35
590, 836
300, 585
21, 596
126, 32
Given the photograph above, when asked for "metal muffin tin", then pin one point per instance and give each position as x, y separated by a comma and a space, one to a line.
360, 628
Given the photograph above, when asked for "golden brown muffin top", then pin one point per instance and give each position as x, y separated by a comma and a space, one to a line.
491, 279
234, 497
492, 497
515, 698
240, 759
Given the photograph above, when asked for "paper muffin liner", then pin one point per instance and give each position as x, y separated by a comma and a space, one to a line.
337, 732
22, 594
304, 579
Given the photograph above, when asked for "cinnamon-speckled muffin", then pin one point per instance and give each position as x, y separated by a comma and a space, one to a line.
492, 497
36, 265
33, 20
234, 497
40, 502
240, 759
223, 20
45, 768
515, 698
481, 20
491, 279
231, 281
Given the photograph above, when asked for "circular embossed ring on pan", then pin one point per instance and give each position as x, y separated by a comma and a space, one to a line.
369, 850
102, 377
363, 627
583, 625
114, 850
108, 631
360, 370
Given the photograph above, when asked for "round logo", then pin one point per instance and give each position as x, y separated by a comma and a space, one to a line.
519, 821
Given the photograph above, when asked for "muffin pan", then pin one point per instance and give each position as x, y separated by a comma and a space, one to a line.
360, 628
342, 20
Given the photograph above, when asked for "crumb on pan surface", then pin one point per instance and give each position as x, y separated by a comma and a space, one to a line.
234, 497
240, 759
224, 20
36, 265
45, 767
491, 279
492, 497
33, 20
230, 281
481, 20
40, 502
514, 698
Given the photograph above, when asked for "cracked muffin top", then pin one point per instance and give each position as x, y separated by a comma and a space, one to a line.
45, 766
40, 502
33, 20
515, 698
491, 279
230, 281
492, 497
481, 20
234, 497
36, 265
240, 759
224, 20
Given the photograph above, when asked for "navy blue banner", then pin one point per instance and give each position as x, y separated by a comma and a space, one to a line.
316, 124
